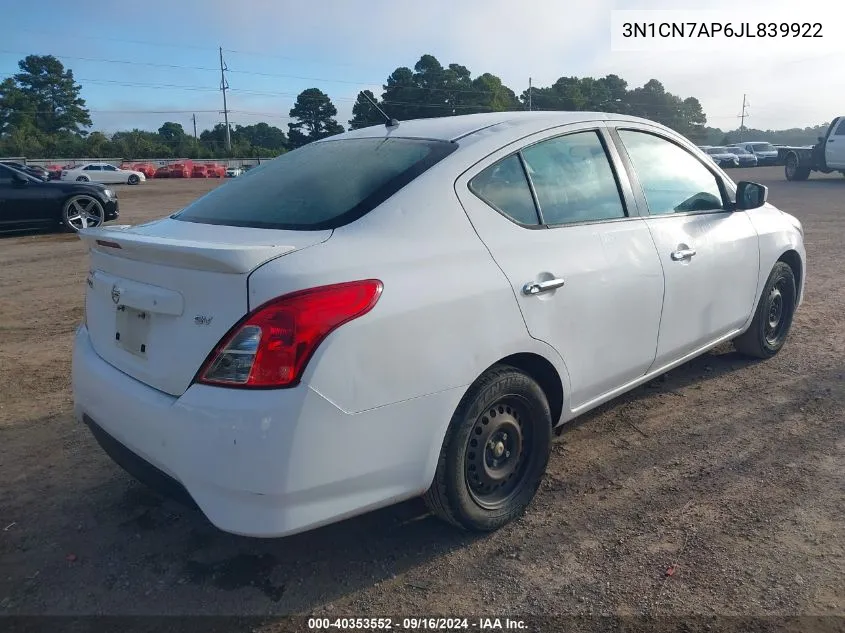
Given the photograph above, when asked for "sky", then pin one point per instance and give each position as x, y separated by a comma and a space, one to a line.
143, 63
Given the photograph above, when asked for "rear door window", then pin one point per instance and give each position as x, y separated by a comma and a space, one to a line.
322, 185
505, 188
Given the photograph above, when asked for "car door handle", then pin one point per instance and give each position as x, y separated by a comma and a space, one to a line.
682, 254
537, 287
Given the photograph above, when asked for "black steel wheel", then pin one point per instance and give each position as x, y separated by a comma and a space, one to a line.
793, 169
133, 179
773, 318
495, 452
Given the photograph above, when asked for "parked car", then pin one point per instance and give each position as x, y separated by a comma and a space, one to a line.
826, 156
54, 171
163, 172
103, 172
199, 171
766, 153
32, 170
745, 158
287, 352
233, 172
29, 202
215, 171
148, 169
181, 170
723, 156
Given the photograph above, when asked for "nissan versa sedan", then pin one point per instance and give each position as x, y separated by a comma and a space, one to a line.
412, 310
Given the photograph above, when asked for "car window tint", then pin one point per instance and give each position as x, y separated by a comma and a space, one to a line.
672, 179
840, 129
504, 187
322, 185
573, 179
109, 168
92, 168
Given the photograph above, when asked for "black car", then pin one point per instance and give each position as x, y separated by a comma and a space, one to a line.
27, 202
32, 170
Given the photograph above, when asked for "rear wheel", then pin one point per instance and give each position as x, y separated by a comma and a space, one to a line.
773, 317
133, 179
794, 170
495, 452
83, 179
82, 212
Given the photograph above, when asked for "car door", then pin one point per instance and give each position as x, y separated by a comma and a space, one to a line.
556, 217
834, 155
112, 174
709, 253
94, 172
23, 203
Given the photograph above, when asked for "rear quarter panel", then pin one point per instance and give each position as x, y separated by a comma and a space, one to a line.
446, 313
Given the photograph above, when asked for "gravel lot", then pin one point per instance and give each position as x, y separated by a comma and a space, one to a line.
729, 472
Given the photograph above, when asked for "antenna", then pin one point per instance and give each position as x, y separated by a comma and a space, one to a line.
388, 121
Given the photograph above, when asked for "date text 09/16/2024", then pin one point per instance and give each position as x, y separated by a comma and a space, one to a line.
722, 29
416, 624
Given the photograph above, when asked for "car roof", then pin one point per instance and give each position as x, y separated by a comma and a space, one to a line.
453, 128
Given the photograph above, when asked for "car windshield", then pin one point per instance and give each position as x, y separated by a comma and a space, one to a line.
738, 150
763, 147
319, 186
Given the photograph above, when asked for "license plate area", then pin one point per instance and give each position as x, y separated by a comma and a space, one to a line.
131, 330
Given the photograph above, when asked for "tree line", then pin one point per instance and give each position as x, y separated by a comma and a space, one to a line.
43, 115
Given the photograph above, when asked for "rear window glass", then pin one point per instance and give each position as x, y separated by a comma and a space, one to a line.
319, 186
763, 147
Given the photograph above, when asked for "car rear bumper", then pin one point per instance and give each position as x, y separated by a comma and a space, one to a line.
266, 462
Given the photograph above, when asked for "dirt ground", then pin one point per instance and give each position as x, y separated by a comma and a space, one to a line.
729, 472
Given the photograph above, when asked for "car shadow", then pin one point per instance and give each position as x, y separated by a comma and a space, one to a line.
125, 533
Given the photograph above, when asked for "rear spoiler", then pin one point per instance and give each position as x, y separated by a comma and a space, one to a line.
211, 256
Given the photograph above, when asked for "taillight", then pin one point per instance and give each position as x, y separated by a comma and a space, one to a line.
271, 346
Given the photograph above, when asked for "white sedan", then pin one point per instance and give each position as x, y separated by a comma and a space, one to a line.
233, 172
413, 310
103, 172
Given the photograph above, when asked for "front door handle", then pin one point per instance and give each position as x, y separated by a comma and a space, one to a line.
537, 287
682, 254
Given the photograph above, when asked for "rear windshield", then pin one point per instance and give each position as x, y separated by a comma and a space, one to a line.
763, 147
319, 186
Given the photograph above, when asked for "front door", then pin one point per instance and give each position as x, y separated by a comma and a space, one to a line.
834, 154
710, 255
584, 271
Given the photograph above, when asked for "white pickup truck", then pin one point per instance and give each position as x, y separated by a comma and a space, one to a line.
826, 156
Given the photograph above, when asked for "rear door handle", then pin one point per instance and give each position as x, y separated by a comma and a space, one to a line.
682, 254
538, 287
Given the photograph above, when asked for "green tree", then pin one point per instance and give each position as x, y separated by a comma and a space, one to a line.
52, 95
172, 133
263, 136
97, 145
314, 113
363, 112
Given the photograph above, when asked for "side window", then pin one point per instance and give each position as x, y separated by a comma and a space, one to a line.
109, 168
504, 187
673, 180
573, 179
92, 168
840, 128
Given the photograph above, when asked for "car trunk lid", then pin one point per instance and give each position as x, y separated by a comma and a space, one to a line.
160, 296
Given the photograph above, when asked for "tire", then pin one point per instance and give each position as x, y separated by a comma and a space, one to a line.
773, 317
505, 411
133, 179
82, 211
793, 170
83, 179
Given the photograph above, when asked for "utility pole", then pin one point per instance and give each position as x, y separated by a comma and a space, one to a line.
195, 127
742, 119
224, 86
529, 93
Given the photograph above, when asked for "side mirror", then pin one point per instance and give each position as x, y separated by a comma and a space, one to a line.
750, 195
